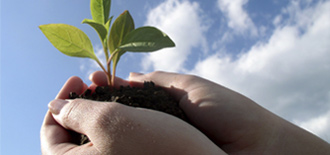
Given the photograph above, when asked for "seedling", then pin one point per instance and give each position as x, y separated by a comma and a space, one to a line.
116, 40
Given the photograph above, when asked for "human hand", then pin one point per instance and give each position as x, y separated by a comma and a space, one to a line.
116, 129
233, 122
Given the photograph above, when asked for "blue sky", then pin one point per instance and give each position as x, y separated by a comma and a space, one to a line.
275, 52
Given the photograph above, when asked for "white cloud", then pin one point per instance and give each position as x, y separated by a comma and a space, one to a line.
277, 20
181, 20
285, 73
238, 19
320, 126
289, 74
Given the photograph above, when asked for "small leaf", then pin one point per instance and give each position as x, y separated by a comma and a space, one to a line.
107, 25
120, 28
69, 40
99, 28
100, 10
146, 39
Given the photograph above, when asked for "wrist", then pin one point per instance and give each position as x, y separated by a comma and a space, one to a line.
295, 140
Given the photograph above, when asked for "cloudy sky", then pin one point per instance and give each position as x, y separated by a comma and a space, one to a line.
274, 52
277, 53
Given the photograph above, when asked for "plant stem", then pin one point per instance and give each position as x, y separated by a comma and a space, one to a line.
112, 81
108, 73
113, 75
105, 71
105, 50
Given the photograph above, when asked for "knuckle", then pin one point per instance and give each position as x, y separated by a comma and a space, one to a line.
106, 116
187, 80
156, 74
190, 78
71, 111
114, 119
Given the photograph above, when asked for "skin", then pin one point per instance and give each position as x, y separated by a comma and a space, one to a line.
116, 129
223, 122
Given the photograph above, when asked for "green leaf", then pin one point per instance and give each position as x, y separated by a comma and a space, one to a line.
146, 39
69, 40
120, 28
99, 28
107, 25
100, 10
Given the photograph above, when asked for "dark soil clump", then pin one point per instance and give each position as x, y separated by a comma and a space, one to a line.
149, 97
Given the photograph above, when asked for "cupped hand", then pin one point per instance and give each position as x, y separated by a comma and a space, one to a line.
51, 133
228, 118
233, 122
114, 128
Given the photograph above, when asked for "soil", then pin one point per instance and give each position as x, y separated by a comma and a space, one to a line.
149, 97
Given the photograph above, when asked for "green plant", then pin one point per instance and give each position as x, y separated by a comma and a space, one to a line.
120, 38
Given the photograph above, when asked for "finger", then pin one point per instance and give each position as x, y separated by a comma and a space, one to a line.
99, 78
92, 87
51, 134
222, 114
73, 84
83, 116
56, 140
115, 126
189, 91
85, 87
195, 96
178, 85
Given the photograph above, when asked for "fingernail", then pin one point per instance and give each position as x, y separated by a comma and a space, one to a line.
131, 74
90, 77
55, 106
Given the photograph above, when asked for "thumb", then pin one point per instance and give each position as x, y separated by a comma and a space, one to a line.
81, 116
